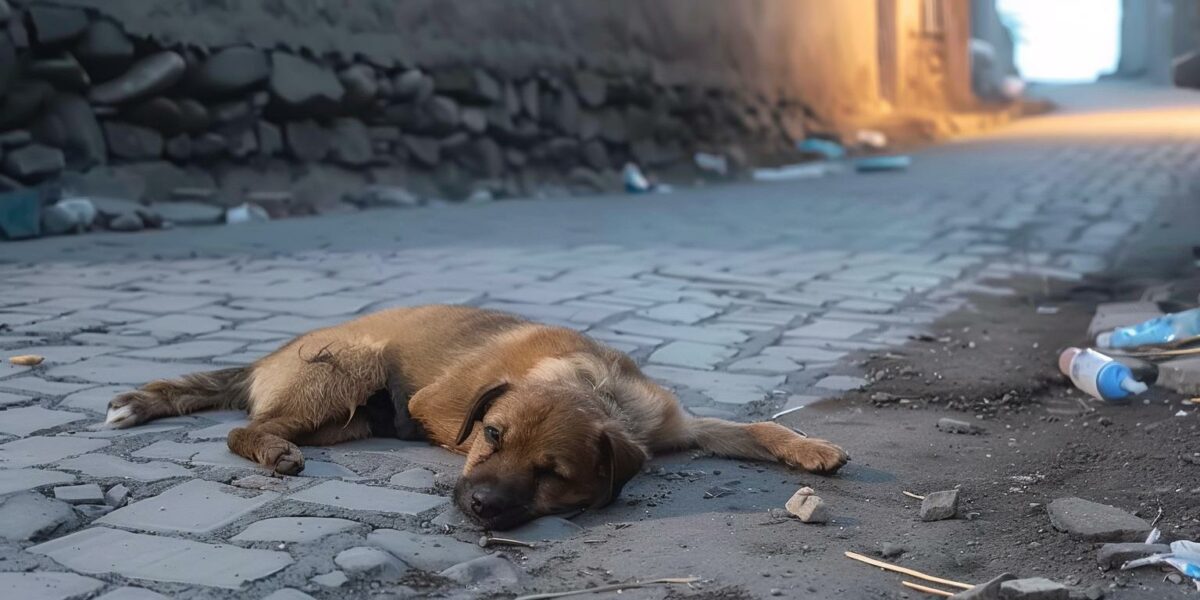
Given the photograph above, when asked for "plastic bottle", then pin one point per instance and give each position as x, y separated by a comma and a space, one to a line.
1098, 375
1167, 329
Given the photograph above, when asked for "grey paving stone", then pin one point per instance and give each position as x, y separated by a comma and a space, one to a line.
370, 563
94, 399
840, 383
170, 450
765, 364
417, 452
219, 431
116, 496
174, 325
30, 516
729, 388
218, 454
116, 339
248, 335
187, 350
320, 306
291, 325
107, 465
195, 506
116, 369
132, 593
332, 579
493, 570
353, 496
320, 468
693, 355
830, 330
612, 337
424, 552
288, 594
708, 335
28, 419
88, 493
540, 294
293, 529
16, 480
164, 304
40, 450
240, 358
44, 585
544, 529
41, 387
687, 313
7, 398
1095, 522
99, 431
157, 558
415, 478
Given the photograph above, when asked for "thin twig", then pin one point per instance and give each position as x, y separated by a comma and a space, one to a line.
486, 541
927, 590
912, 495
1157, 518
910, 572
612, 588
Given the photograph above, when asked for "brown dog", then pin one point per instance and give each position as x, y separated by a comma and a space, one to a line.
563, 421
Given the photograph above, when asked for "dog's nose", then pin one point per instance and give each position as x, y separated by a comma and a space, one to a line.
486, 503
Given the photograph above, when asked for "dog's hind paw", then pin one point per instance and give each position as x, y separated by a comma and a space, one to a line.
127, 410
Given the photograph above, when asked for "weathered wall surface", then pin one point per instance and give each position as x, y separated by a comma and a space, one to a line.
289, 104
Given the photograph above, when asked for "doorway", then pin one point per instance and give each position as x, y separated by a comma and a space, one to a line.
1064, 41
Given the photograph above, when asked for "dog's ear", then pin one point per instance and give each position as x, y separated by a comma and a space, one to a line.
479, 407
620, 460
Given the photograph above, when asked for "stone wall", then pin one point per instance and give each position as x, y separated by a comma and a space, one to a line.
296, 106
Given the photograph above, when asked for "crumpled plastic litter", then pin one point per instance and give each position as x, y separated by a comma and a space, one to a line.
1184, 557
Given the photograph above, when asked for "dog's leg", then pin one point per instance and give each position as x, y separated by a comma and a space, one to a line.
170, 397
763, 441
332, 433
268, 442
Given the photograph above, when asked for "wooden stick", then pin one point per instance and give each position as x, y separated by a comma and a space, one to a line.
910, 572
611, 588
927, 590
912, 495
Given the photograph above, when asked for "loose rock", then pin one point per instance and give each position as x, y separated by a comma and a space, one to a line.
53, 25
372, 563
493, 569
302, 88
807, 506
350, 143
231, 71
961, 427
151, 75
985, 591
88, 493
161, 114
361, 86
34, 162
938, 506
69, 124
116, 495
104, 50
1096, 522
31, 516
133, 142
1112, 556
126, 222
307, 140
331, 579
1036, 588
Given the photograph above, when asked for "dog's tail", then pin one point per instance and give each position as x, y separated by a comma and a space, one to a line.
226, 388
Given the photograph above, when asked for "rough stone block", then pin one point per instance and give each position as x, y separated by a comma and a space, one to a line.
353, 496
161, 559
88, 493
808, 507
48, 585
370, 563
985, 591
956, 426
494, 569
16, 480
293, 529
1035, 588
28, 419
31, 516
1112, 556
106, 465
1096, 522
692, 355
40, 450
425, 552
938, 506
195, 506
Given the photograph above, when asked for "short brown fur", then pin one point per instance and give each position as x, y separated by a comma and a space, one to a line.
549, 419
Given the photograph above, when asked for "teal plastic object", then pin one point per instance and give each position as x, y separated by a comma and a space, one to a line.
20, 215
871, 164
1167, 329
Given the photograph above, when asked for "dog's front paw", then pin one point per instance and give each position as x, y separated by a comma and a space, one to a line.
815, 456
128, 409
283, 457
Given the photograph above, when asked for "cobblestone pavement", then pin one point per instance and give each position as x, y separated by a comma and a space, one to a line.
746, 299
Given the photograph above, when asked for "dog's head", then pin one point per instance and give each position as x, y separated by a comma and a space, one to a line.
540, 449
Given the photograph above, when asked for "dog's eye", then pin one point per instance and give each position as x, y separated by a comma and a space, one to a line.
492, 435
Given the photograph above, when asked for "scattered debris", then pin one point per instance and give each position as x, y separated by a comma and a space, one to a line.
1047, 310
829, 149
1172, 330
246, 213
488, 540
905, 571
926, 589
807, 506
1095, 522
939, 506
912, 495
871, 138
616, 587
874, 164
719, 491
712, 163
790, 172
1184, 556
890, 550
635, 180
27, 360
1098, 375
786, 411
960, 427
